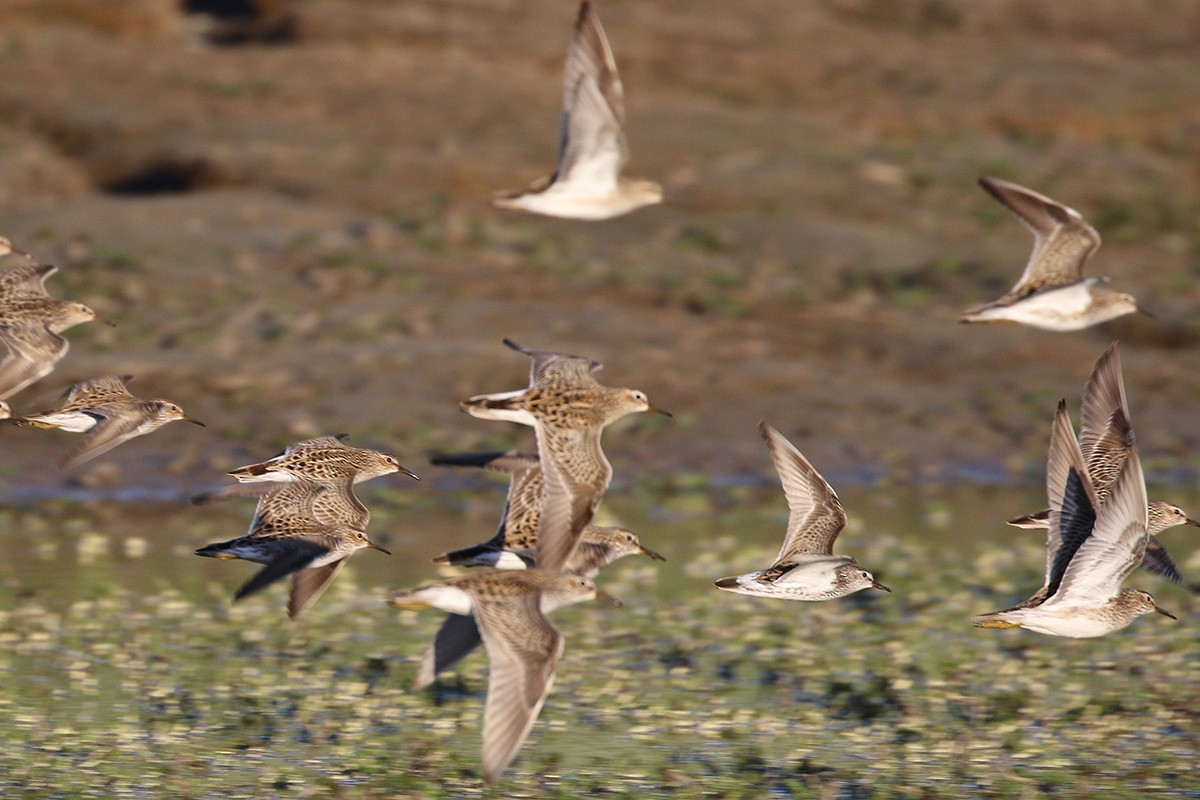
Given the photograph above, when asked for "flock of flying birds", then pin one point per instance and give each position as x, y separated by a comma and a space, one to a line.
546, 550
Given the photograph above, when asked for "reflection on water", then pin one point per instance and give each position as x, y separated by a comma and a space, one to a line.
125, 666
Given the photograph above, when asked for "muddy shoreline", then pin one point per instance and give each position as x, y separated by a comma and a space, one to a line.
311, 247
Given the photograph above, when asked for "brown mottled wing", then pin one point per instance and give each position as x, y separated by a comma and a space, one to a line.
523, 649
119, 422
557, 369
96, 391
284, 505
592, 148
334, 441
302, 501
309, 584
33, 351
576, 475
775, 571
524, 503
1062, 239
1116, 545
455, 640
523, 508
1105, 447
338, 505
1110, 451
816, 515
290, 453
25, 280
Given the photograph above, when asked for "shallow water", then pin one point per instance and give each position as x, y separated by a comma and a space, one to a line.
128, 673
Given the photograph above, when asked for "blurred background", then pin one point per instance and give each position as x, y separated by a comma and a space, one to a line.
285, 208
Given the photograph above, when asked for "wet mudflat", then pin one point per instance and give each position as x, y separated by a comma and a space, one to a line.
128, 673
289, 220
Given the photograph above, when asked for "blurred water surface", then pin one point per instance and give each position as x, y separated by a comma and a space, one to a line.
127, 672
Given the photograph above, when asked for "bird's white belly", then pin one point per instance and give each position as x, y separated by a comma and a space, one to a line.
326, 558
1079, 626
519, 415
585, 201
1068, 619
70, 421
1057, 309
507, 559
813, 579
272, 475
1061, 309
816, 576
448, 598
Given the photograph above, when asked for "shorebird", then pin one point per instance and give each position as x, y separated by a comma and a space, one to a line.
549, 372
515, 541
1052, 293
104, 409
324, 458
806, 568
514, 547
329, 503
586, 183
459, 635
568, 416
523, 646
1091, 547
6, 248
303, 529
1105, 442
1159, 517
25, 280
31, 328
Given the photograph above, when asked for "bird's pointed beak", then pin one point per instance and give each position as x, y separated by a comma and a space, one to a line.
1190, 521
378, 547
605, 597
877, 585
1146, 313
1164, 612
648, 552
662, 411
194, 422
410, 473
97, 318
